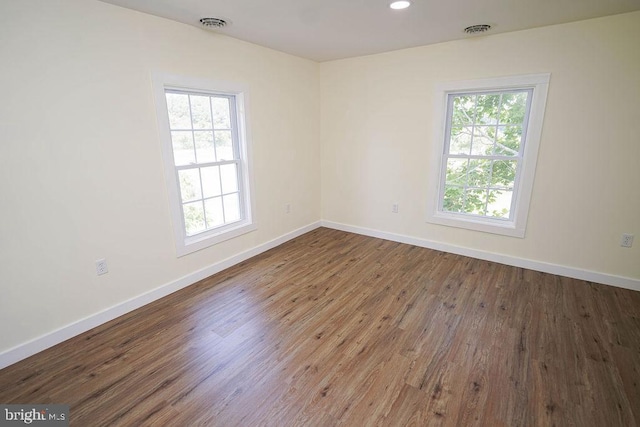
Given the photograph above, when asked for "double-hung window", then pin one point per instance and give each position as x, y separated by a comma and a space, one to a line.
202, 127
487, 150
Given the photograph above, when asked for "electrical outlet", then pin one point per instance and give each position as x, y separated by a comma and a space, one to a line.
626, 241
287, 208
101, 267
394, 208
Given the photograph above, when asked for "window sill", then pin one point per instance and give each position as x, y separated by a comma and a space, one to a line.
195, 243
505, 228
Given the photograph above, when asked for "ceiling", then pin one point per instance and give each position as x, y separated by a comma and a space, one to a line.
324, 30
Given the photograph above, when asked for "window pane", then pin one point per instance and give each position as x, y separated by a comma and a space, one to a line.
221, 116
231, 208
504, 173
486, 185
229, 178
460, 142
183, 152
189, 185
499, 205
204, 146
478, 175
201, 112
193, 218
224, 147
513, 107
508, 140
475, 201
453, 199
178, 109
203, 156
487, 109
213, 208
211, 181
463, 109
483, 137
456, 172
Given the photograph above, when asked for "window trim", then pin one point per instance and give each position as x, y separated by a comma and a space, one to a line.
185, 244
523, 184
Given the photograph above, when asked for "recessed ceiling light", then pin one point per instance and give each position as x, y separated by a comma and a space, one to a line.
400, 4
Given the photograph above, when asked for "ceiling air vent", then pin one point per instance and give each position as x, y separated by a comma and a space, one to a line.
475, 29
213, 22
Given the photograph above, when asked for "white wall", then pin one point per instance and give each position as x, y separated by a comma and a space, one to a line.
377, 131
80, 159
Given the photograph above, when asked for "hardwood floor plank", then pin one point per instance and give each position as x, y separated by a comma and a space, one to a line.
337, 329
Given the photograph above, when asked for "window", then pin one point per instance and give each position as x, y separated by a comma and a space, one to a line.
206, 160
487, 153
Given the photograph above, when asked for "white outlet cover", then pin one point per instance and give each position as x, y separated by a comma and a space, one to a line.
101, 267
626, 241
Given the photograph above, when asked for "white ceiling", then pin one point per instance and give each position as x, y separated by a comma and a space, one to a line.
324, 30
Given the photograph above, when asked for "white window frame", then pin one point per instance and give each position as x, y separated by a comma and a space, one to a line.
523, 184
187, 244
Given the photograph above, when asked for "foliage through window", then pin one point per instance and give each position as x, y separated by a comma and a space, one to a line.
205, 153
487, 151
483, 151
206, 159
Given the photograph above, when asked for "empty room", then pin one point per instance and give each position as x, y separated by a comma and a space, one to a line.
320, 213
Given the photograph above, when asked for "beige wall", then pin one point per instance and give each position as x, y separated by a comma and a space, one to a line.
377, 130
80, 158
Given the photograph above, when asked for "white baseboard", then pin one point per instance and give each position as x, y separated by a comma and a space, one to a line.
561, 270
29, 348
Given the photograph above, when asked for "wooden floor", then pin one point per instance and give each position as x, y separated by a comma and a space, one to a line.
334, 328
